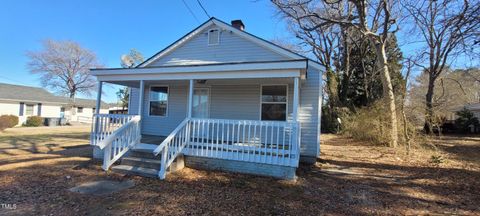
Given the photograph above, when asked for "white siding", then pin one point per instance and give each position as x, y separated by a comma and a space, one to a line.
13, 108
9, 108
309, 113
50, 111
232, 48
176, 111
85, 116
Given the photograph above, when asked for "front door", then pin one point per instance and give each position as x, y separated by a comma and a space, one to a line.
201, 103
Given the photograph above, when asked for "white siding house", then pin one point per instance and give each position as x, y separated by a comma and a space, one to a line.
220, 96
25, 101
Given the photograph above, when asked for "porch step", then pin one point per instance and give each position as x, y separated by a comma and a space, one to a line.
143, 153
135, 170
141, 162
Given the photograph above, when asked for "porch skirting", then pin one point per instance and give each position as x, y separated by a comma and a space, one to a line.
97, 153
276, 171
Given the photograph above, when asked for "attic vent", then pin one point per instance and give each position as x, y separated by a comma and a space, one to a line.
213, 37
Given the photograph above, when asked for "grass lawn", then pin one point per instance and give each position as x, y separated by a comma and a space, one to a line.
38, 166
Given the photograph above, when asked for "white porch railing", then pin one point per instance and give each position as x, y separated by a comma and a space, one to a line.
270, 142
115, 134
172, 146
105, 124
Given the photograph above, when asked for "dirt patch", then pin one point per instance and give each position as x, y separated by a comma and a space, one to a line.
351, 178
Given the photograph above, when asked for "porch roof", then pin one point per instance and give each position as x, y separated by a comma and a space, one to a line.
234, 70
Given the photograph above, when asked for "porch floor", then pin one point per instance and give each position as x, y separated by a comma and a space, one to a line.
152, 139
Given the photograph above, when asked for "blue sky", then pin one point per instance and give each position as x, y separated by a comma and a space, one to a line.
111, 28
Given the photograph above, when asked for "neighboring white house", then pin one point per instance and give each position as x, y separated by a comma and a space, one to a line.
82, 110
221, 98
25, 101
474, 108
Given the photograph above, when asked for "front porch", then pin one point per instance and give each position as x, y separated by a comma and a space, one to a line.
248, 120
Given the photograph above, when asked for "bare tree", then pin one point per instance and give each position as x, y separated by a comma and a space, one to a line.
131, 59
64, 67
372, 19
449, 28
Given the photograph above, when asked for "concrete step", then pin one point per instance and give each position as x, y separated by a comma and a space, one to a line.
134, 170
141, 162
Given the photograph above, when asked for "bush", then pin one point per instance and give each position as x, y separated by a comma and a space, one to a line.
8, 121
367, 124
34, 121
372, 124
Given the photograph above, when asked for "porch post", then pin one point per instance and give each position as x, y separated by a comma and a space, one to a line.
190, 99
94, 135
140, 104
140, 97
99, 98
295, 99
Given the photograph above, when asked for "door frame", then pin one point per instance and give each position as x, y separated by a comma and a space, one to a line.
209, 99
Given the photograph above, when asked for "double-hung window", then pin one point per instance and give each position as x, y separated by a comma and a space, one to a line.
158, 100
29, 109
274, 103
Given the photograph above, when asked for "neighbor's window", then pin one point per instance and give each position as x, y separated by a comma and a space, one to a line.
274, 103
80, 110
158, 101
29, 109
213, 37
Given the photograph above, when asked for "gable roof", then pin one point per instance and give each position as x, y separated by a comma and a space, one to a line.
214, 21
27, 94
90, 103
30, 94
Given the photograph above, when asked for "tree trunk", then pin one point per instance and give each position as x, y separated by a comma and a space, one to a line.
388, 95
428, 127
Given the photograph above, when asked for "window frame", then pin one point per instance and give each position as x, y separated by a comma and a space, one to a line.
208, 37
286, 102
149, 100
26, 109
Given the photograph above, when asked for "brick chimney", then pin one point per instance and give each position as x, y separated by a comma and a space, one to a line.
238, 24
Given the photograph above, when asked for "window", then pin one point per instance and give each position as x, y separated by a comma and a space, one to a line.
29, 109
79, 109
274, 102
213, 37
158, 101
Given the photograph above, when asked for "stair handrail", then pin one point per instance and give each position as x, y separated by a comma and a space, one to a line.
172, 146
102, 144
120, 141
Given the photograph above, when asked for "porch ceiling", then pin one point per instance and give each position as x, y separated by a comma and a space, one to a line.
277, 69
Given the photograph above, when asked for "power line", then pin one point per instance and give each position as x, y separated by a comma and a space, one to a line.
190, 10
203, 8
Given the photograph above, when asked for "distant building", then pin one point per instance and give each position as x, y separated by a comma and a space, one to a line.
25, 101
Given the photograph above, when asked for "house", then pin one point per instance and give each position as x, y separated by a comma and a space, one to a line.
217, 98
82, 110
474, 108
451, 116
25, 101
